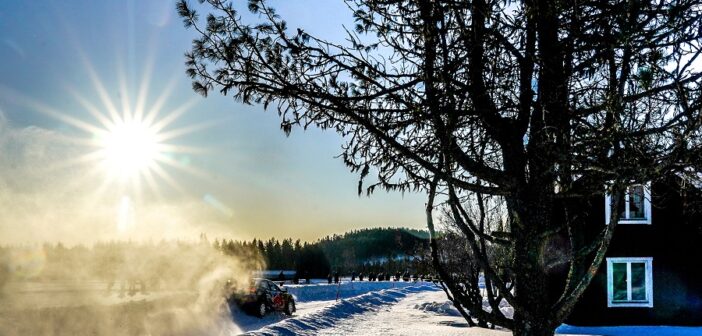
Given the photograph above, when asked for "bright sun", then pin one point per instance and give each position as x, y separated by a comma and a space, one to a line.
129, 143
130, 148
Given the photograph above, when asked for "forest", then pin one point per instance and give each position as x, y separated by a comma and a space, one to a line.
362, 251
168, 263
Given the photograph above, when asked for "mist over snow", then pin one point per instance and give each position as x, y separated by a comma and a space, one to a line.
114, 289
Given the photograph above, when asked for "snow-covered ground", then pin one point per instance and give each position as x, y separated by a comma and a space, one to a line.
389, 308
345, 289
320, 298
351, 308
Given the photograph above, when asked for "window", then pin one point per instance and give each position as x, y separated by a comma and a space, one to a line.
629, 282
634, 206
274, 287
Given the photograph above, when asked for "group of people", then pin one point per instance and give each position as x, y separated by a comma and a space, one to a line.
377, 277
335, 277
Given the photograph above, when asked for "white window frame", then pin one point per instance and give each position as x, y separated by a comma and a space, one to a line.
648, 261
647, 207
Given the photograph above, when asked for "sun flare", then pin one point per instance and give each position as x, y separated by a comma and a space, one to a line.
129, 143
125, 215
122, 142
130, 148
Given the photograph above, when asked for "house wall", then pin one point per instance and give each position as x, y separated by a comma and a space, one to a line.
674, 240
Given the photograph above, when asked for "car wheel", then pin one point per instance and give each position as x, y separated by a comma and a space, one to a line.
261, 309
290, 308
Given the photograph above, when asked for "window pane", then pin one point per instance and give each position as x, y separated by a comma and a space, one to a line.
621, 206
636, 202
638, 281
619, 282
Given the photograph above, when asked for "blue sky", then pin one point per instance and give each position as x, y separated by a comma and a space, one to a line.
243, 178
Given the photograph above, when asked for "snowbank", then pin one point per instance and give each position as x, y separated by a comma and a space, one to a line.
322, 292
445, 308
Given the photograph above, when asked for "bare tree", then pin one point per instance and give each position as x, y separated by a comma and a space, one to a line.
459, 265
539, 102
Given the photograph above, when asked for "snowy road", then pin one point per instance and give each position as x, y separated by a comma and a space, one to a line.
406, 317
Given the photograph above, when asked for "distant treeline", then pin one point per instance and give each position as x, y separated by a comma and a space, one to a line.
387, 250
367, 250
304, 257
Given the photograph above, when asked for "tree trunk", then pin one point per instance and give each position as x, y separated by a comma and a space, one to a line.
523, 327
531, 285
532, 290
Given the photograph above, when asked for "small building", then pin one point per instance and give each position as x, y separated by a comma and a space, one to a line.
652, 272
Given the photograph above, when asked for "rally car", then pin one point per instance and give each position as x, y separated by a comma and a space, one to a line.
263, 296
